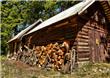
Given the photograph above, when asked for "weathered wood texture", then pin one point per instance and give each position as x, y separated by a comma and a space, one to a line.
88, 42
106, 8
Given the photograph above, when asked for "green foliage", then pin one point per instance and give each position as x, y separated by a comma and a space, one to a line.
13, 13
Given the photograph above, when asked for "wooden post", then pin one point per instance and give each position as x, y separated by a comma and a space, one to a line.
15, 47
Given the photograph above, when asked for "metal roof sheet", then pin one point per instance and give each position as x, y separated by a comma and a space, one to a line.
19, 35
76, 9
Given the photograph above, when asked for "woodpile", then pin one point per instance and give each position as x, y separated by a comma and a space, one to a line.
54, 55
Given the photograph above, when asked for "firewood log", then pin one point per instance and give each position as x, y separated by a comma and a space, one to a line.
66, 45
60, 52
61, 61
49, 51
59, 57
52, 55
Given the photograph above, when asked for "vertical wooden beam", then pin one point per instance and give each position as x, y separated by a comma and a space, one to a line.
15, 45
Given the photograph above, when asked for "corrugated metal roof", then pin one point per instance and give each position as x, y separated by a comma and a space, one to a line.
19, 35
76, 9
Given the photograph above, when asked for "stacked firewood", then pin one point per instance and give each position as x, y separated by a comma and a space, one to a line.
54, 55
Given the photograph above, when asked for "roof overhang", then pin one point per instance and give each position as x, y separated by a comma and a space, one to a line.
76, 9
23, 32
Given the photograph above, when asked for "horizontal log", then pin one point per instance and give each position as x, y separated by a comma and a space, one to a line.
82, 40
92, 27
83, 47
83, 55
83, 36
83, 50
83, 33
88, 27
99, 30
85, 30
98, 26
83, 43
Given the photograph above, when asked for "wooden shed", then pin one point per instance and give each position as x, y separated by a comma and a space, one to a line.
15, 42
86, 26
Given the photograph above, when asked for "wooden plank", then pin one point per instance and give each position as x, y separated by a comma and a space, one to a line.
83, 33
83, 50
83, 36
99, 29
88, 28
61, 24
85, 30
83, 43
82, 40
83, 47
83, 55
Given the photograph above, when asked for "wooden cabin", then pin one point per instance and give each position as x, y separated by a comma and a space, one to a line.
86, 26
15, 42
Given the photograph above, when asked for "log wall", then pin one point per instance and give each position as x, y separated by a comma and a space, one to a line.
83, 39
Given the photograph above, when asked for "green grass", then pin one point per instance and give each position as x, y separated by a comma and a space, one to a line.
11, 69
2, 58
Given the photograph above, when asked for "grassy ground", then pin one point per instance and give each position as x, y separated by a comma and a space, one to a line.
12, 69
